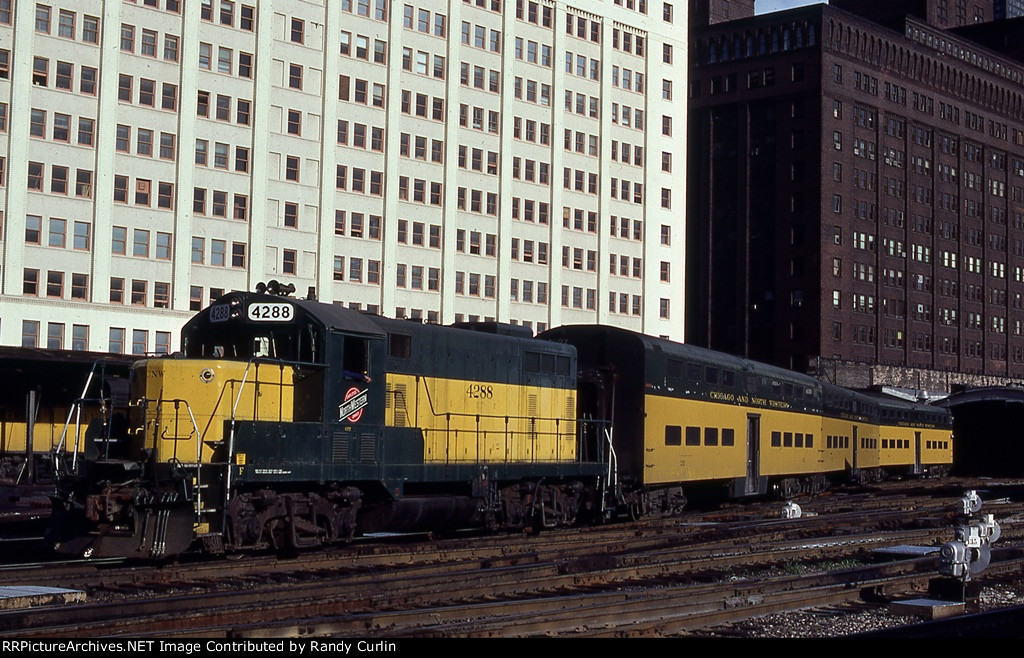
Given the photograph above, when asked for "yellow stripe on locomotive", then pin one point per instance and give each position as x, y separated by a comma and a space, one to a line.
471, 421
46, 432
175, 398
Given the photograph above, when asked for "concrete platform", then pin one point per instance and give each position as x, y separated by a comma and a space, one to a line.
927, 608
15, 597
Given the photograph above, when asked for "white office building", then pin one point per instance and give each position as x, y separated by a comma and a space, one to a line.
519, 161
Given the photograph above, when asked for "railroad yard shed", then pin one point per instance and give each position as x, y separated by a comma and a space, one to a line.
987, 426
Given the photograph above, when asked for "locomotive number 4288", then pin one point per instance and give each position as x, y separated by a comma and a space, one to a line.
479, 391
270, 312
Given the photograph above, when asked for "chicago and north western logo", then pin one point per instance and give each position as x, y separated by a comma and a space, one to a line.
352, 407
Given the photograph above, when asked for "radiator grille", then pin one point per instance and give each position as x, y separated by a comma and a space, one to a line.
339, 447
396, 400
367, 448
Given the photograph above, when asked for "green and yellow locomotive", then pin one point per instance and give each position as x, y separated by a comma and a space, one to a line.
290, 423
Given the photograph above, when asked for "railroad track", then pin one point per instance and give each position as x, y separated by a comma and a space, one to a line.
644, 597
667, 576
664, 577
693, 534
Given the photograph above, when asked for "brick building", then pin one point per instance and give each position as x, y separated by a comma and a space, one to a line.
857, 193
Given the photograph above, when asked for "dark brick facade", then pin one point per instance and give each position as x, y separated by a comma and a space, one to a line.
856, 194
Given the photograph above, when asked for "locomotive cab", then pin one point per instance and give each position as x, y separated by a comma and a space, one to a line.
248, 402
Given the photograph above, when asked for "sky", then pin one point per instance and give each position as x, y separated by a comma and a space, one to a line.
768, 6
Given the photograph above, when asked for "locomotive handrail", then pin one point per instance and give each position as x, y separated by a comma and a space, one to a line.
261, 359
430, 402
557, 420
238, 398
231, 433
199, 444
613, 461
494, 434
75, 406
76, 410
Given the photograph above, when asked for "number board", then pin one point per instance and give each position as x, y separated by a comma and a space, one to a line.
271, 312
220, 313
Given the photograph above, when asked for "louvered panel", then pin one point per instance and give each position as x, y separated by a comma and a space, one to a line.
367, 448
531, 405
570, 407
401, 412
339, 447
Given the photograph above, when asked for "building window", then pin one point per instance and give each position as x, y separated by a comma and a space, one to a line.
91, 29
218, 251
140, 243
142, 192
163, 246
35, 176
241, 207
87, 81
58, 232
241, 159
238, 255
163, 342
124, 88
139, 292
224, 58
40, 71
140, 341
30, 282
115, 342
170, 48
118, 240
81, 238
65, 22
161, 295
54, 284
80, 286
42, 19
169, 97
29, 333
127, 38
167, 146
79, 337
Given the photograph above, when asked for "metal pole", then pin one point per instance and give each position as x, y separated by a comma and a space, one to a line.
30, 433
